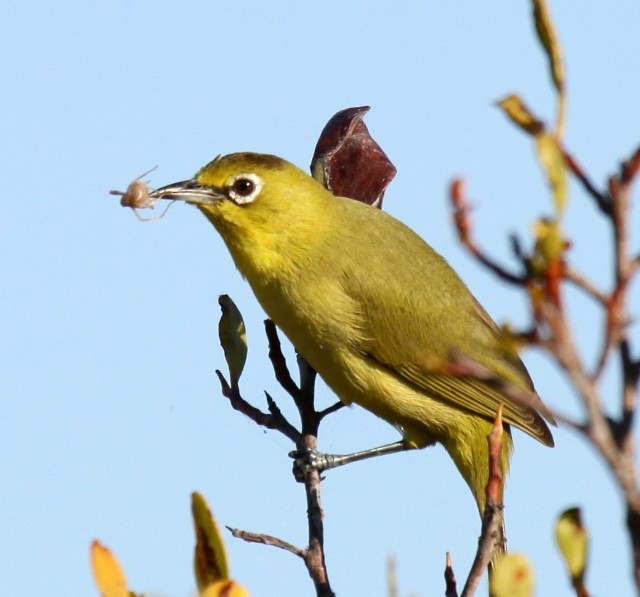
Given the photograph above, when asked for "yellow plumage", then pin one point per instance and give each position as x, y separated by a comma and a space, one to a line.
371, 306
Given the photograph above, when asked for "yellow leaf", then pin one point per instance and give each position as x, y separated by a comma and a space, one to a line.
210, 558
573, 541
233, 338
108, 575
224, 588
550, 43
553, 49
555, 168
549, 242
518, 112
512, 577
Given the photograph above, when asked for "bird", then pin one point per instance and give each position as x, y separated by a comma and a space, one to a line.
372, 307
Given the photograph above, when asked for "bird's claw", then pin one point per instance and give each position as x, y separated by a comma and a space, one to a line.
309, 460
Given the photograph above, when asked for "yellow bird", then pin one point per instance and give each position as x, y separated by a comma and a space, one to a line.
370, 305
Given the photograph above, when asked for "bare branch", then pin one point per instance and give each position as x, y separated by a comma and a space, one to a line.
331, 409
492, 536
603, 201
462, 219
275, 420
578, 280
267, 540
630, 168
315, 560
392, 577
278, 361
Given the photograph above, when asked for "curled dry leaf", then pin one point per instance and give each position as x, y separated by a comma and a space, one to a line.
347, 160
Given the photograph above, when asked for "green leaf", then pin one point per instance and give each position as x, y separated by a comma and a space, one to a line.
549, 243
573, 541
233, 338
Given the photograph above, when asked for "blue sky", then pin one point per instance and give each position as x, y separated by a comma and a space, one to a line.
112, 414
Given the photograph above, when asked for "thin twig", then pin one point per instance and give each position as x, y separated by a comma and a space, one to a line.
273, 420
577, 279
313, 556
462, 219
492, 536
331, 409
603, 201
392, 577
267, 540
615, 329
278, 361
303, 396
630, 168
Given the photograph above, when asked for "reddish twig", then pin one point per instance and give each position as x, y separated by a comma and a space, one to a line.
630, 167
492, 536
603, 201
580, 281
462, 219
495, 483
612, 438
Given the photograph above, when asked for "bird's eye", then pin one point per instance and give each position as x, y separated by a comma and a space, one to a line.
244, 188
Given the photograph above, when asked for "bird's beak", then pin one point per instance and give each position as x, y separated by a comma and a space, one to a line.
190, 191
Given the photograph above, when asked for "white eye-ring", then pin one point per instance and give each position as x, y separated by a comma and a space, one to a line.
243, 188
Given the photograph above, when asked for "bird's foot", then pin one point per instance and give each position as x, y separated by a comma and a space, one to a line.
308, 460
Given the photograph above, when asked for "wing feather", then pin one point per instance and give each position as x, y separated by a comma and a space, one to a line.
415, 334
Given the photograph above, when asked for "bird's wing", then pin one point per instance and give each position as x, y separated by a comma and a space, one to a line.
480, 393
416, 338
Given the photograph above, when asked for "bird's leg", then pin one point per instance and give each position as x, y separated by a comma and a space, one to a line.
311, 460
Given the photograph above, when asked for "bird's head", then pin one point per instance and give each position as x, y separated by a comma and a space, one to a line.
260, 204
